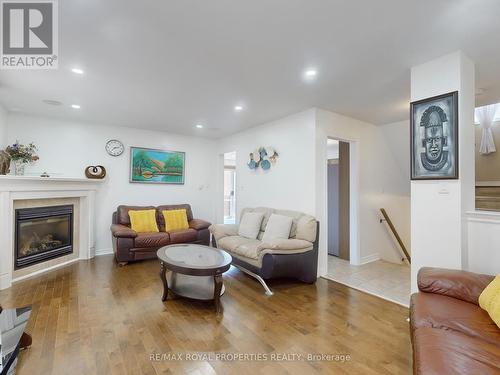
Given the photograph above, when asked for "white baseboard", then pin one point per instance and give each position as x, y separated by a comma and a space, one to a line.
100, 252
5, 281
51, 268
369, 258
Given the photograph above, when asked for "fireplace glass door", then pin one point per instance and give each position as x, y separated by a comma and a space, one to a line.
43, 233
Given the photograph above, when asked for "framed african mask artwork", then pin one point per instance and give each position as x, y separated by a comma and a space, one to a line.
434, 138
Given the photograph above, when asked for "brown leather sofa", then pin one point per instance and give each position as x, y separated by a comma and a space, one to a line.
450, 333
129, 245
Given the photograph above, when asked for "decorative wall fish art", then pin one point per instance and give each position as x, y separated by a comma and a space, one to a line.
263, 157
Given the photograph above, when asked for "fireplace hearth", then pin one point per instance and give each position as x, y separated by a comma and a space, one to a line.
42, 233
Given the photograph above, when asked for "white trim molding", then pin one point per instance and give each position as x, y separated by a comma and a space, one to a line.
483, 254
100, 252
369, 258
13, 188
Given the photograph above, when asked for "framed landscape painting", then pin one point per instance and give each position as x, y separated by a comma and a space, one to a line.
156, 166
434, 138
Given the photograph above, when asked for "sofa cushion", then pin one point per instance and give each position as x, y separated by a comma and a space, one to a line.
152, 239
489, 300
442, 352
306, 228
230, 243
122, 216
303, 225
265, 211
143, 221
250, 249
295, 215
250, 225
240, 245
183, 236
278, 227
223, 230
438, 311
463, 285
175, 220
286, 244
160, 209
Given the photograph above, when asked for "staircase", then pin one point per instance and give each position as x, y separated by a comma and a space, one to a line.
488, 198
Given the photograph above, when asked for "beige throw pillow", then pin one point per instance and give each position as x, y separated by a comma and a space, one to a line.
250, 225
278, 227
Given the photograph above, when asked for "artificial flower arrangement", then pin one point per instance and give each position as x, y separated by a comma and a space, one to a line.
22, 155
26, 154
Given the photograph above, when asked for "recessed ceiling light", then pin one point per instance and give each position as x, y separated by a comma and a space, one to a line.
310, 73
51, 102
75, 106
199, 126
238, 108
77, 71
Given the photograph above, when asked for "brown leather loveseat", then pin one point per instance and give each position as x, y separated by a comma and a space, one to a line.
450, 333
129, 245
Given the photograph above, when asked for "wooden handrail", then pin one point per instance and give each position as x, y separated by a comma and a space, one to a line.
395, 233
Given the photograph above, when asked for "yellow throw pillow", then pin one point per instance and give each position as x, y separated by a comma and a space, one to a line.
143, 221
489, 300
175, 220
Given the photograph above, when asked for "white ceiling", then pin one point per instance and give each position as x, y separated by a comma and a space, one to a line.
171, 64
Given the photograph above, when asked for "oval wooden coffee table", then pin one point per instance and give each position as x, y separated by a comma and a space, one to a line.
196, 271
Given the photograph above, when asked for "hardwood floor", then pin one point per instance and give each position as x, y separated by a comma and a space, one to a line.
97, 318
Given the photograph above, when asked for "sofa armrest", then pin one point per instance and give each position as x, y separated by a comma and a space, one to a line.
289, 244
198, 224
223, 230
120, 230
462, 285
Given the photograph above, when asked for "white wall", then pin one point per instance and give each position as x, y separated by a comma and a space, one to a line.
483, 242
66, 148
3, 127
376, 179
397, 139
438, 224
289, 184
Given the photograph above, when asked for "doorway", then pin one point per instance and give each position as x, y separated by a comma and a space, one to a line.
338, 188
229, 187
378, 277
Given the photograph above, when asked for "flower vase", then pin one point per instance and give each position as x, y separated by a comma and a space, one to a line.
19, 166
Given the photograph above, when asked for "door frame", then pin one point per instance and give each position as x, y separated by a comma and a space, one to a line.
354, 240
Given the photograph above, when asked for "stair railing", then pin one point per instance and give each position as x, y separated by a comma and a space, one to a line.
387, 219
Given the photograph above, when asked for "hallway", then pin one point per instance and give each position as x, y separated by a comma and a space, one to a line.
380, 278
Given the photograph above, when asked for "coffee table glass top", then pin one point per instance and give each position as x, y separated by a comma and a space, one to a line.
12, 325
194, 256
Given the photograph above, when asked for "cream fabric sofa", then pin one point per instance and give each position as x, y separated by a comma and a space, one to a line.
295, 257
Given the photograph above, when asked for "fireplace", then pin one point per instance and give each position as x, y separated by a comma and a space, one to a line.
42, 233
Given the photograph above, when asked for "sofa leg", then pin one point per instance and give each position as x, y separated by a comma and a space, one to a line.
122, 264
269, 292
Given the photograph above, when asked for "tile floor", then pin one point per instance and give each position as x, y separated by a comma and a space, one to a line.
383, 279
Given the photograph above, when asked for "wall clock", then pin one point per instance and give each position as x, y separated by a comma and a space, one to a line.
114, 147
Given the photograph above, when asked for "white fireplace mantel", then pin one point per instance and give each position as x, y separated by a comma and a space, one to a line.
14, 188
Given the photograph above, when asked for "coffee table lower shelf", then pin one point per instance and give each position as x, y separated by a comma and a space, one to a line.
200, 288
